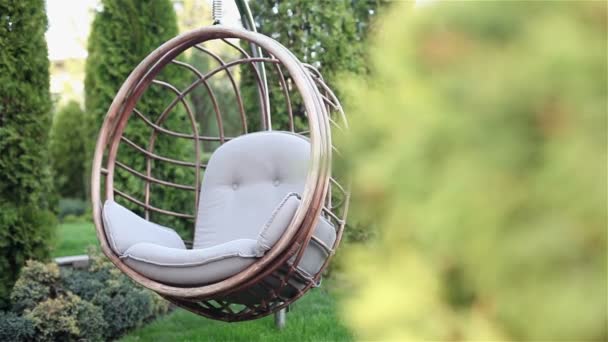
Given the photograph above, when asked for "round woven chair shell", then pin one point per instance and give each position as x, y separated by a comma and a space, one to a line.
272, 281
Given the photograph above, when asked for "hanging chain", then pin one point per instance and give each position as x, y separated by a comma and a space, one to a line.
217, 11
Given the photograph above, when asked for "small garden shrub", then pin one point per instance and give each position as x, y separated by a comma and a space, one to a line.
103, 269
67, 318
136, 304
37, 283
68, 305
83, 283
160, 306
108, 289
15, 328
124, 306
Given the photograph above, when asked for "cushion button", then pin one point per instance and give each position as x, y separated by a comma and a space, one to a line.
276, 182
235, 186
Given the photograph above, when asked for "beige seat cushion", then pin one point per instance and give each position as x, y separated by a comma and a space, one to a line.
245, 180
191, 266
248, 198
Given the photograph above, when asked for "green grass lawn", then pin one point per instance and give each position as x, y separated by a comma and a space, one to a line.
313, 318
74, 238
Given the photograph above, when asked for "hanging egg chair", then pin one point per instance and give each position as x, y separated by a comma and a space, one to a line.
266, 212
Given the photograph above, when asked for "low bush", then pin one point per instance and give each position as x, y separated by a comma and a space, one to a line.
160, 306
83, 283
67, 318
15, 328
95, 304
124, 306
53, 313
36, 283
109, 290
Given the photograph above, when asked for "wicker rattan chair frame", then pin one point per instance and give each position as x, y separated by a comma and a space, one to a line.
323, 194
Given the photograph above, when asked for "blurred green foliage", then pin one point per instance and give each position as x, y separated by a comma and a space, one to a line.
478, 147
124, 32
67, 149
192, 14
26, 199
329, 35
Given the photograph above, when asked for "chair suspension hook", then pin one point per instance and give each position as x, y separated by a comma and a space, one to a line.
217, 11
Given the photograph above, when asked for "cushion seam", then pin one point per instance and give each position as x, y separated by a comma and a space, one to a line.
190, 264
110, 229
262, 241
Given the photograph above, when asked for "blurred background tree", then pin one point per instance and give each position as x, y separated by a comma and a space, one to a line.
116, 46
67, 148
479, 149
192, 14
328, 35
26, 200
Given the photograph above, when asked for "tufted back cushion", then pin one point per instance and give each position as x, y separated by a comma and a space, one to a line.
245, 180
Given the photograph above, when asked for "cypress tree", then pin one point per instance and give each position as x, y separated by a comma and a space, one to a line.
67, 149
479, 149
123, 33
26, 201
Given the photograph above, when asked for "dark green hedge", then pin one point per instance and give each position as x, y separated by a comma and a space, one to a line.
26, 204
123, 33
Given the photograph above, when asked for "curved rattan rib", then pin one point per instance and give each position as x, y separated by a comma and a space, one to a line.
159, 121
176, 134
155, 156
262, 90
203, 80
150, 207
285, 90
154, 180
180, 97
237, 91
